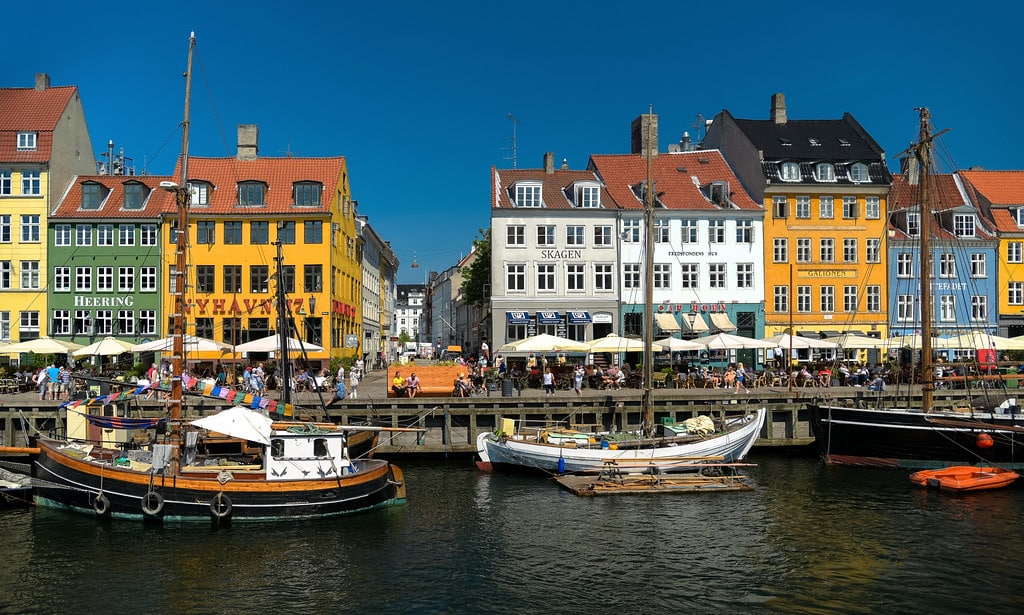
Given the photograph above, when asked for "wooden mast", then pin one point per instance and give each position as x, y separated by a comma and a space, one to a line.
924, 157
182, 196
647, 424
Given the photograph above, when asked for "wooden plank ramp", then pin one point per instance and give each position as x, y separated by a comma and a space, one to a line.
612, 481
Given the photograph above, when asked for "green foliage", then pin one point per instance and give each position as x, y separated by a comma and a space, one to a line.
404, 337
476, 278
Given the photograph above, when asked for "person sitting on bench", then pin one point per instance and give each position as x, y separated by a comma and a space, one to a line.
398, 385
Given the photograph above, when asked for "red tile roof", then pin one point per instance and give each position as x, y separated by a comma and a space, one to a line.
681, 179
156, 202
28, 109
944, 195
1005, 223
279, 174
556, 188
999, 187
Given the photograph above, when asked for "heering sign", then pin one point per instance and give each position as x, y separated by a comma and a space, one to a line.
81, 301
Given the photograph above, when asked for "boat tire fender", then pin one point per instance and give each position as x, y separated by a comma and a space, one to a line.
220, 506
152, 503
101, 505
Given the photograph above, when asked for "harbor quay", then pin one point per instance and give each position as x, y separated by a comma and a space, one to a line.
451, 424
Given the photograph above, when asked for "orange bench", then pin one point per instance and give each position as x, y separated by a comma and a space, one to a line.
435, 380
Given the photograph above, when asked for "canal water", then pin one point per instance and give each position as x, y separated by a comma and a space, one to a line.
810, 539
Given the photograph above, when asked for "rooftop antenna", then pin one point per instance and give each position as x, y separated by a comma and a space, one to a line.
515, 123
700, 125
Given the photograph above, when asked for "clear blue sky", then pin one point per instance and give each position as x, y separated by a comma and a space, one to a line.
417, 96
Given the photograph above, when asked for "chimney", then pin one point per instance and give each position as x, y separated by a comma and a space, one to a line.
778, 111
42, 82
248, 137
549, 163
639, 135
910, 167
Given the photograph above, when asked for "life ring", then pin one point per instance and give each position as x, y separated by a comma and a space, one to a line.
704, 354
220, 506
101, 505
152, 503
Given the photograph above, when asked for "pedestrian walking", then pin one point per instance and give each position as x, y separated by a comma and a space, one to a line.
353, 385
577, 380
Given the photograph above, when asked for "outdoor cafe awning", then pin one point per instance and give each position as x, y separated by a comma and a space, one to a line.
518, 318
721, 321
667, 322
549, 318
577, 317
695, 322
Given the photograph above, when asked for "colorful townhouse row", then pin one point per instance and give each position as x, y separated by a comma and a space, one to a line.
765, 226
84, 255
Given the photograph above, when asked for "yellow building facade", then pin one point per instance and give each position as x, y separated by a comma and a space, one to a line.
244, 212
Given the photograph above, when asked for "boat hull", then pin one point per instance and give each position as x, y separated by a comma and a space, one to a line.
909, 438
525, 454
964, 478
70, 483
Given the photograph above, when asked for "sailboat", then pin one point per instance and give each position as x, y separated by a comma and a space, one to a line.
926, 436
652, 449
266, 470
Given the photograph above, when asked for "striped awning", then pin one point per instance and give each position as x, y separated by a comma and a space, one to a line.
577, 317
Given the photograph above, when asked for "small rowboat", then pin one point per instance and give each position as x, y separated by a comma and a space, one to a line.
964, 478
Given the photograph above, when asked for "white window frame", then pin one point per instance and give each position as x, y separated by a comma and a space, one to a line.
1015, 293
603, 236
690, 230
149, 235
515, 236
546, 236
83, 235
104, 322
744, 275
30, 225
104, 279
604, 280
575, 235
104, 234
827, 296
31, 183
850, 250
825, 172
947, 308
979, 308
631, 230
575, 277
528, 194
873, 298
662, 276
126, 234
780, 299
964, 225
62, 279
859, 173
718, 275
515, 278
61, 322
546, 282
147, 279
904, 265
126, 279
30, 275
905, 308
62, 234
790, 172
780, 250
689, 277
27, 141
979, 265
872, 207
631, 275
716, 231
803, 207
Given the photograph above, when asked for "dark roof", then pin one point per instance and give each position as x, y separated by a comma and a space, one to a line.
842, 139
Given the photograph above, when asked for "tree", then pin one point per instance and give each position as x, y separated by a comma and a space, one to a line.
476, 277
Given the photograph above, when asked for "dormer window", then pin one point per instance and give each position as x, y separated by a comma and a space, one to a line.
251, 194
528, 194
200, 193
790, 172
92, 195
1018, 215
718, 193
307, 194
843, 142
963, 225
913, 224
859, 172
134, 196
26, 141
825, 172
586, 195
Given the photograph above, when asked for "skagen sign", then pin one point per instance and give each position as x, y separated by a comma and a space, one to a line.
564, 254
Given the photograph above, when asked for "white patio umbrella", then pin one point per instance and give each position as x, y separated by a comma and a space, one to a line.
238, 422
614, 343
106, 347
272, 343
674, 344
976, 339
726, 341
851, 340
191, 342
545, 343
786, 340
42, 345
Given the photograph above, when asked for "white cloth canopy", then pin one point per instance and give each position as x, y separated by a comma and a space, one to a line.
42, 345
852, 340
614, 343
675, 344
725, 341
191, 342
238, 422
786, 340
272, 343
106, 347
545, 343
667, 322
